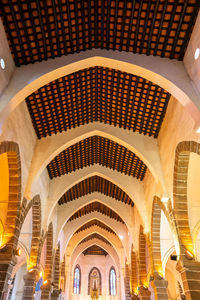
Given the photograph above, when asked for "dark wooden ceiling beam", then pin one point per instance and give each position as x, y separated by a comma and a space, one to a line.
95, 184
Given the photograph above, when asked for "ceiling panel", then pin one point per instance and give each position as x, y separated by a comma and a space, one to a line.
98, 94
96, 207
97, 150
95, 223
41, 29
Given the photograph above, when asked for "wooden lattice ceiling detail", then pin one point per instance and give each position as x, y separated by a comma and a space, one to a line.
96, 207
97, 150
41, 29
98, 94
95, 250
95, 184
95, 236
95, 222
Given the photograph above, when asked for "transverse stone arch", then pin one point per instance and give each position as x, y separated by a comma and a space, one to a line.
89, 280
12, 224
180, 90
93, 184
36, 230
48, 262
134, 272
181, 164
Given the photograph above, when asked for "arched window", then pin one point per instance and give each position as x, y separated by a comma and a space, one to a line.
94, 282
112, 282
77, 280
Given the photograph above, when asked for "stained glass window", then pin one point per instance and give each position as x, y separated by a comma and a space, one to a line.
112, 279
77, 278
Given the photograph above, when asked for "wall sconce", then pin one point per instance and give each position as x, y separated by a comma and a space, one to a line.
174, 257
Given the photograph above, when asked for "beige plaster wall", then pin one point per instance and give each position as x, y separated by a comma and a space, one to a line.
193, 190
151, 189
177, 126
26, 232
19, 129
193, 66
86, 263
5, 74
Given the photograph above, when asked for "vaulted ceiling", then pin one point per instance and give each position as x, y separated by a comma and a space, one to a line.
95, 184
97, 150
98, 94
96, 207
95, 250
95, 222
95, 236
38, 29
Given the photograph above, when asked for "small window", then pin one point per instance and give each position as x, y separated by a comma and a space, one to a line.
112, 282
77, 280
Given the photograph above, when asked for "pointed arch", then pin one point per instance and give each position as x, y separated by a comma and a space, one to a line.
181, 164
12, 223
77, 280
89, 280
134, 273
142, 258
112, 281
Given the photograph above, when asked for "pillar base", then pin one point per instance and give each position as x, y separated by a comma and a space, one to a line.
144, 293
6, 267
134, 297
30, 280
46, 291
160, 288
55, 295
190, 274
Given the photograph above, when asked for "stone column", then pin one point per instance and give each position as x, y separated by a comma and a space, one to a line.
7, 262
55, 295
190, 274
134, 297
46, 291
5, 275
30, 280
160, 289
144, 293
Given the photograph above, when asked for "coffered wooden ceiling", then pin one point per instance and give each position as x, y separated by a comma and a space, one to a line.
95, 184
97, 150
41, 29
96, 207
95, 236
98, 94
95, 250
95, 223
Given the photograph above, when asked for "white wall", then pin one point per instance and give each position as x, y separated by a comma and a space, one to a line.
86, 263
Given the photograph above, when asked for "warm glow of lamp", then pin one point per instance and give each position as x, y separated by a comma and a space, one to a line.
189, 254
121, 237
30, 270
18, 252
164, 199
45, 282
41, 274
198, 130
